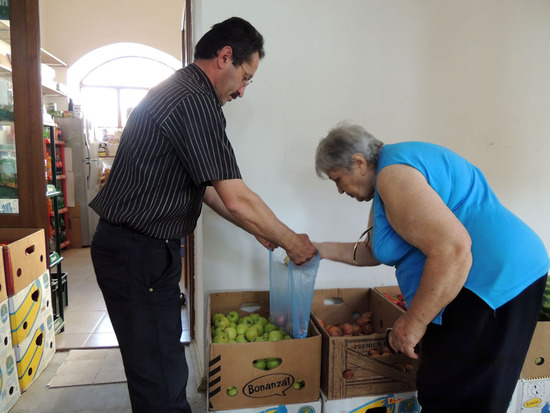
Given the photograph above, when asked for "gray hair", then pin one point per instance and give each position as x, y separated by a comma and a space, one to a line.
336, 149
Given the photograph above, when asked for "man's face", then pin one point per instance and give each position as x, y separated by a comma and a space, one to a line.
235, 79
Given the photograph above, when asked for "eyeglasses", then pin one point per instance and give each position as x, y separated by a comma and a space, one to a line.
367, 233
248, 79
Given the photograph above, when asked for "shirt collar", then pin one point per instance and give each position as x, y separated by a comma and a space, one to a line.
201, 77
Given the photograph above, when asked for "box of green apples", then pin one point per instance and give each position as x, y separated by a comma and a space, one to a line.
252, 361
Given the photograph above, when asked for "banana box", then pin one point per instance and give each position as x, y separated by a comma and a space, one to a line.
24, 253
3, 287
406, 402
36, 351
27, 305
6, 345
9, 382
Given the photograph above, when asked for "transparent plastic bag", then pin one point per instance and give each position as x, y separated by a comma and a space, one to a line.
291, 292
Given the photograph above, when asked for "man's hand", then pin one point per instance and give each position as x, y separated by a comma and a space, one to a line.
302, 250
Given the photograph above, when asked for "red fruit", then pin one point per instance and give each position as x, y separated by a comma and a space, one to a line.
321, 322
335, 331
367, 329
356, 330
348, 374
347, 329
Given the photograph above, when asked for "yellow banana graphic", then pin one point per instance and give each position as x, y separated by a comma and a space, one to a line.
24, 317
28, 366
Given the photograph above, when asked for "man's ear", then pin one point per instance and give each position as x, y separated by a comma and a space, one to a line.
225, 56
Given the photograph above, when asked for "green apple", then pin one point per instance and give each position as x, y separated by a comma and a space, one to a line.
262, 321
246, 320
232, 324
299, 384
259, 339
222, 322
252, 333
220, 338
287, 337
218, 330
232, 391
254, 317
216, 316
241, 328
231, 333
274, 335
241, 339
233, 316
259, 364
259, 327
270, 327
273, 362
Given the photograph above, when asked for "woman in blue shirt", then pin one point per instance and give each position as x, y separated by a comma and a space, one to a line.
472, 273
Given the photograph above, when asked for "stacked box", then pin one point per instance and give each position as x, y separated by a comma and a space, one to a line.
531, 396
399, 402
353, 366
312, 407
9, 381
24, 253
32, 329
537, 361
230, 364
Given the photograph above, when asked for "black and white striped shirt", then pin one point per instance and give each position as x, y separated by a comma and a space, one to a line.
173, 145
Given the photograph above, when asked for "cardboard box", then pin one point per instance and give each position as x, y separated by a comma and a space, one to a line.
27, 306
370, 375
312, 407
6, 344
24, 254
399, 402
34, 353
9, 391
537, 361
230, 364
3, 286
531, 396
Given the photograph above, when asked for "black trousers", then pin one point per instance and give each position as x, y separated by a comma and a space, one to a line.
472, 362
139, 278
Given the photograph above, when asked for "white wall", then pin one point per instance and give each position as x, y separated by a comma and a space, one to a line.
471, 75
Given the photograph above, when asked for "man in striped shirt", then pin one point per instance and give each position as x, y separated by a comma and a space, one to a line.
173, 156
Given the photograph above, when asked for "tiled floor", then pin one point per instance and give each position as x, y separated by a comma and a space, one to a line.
87, 325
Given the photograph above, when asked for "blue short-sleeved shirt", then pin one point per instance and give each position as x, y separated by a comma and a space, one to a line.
507, 255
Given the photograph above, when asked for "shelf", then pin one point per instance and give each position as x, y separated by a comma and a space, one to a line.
48, 91
49, 59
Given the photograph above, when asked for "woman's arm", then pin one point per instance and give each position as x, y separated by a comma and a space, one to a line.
419, 215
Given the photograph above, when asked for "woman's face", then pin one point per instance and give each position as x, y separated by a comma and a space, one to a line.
357, 183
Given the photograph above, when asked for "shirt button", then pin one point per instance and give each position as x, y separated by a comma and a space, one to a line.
150, 290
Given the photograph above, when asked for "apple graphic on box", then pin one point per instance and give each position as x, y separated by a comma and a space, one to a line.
233, 316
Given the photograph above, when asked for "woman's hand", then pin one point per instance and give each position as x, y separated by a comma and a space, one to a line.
406, 334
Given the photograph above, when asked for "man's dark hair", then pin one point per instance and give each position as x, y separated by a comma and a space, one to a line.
235, 32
